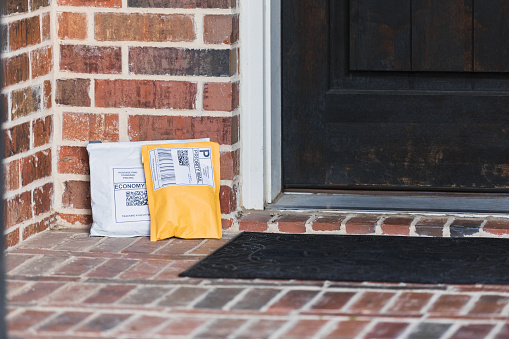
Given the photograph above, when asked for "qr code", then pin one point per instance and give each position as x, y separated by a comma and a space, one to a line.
136, 198
183, 156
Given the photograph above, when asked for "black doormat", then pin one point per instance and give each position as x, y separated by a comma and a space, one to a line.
358, 258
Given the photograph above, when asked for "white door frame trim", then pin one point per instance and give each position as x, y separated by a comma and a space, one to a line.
260, 102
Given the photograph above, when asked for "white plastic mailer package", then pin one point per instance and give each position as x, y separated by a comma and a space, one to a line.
117, 188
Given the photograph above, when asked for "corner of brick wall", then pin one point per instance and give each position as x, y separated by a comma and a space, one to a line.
136, 70
27, 61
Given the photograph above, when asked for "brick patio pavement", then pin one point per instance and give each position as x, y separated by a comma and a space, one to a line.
64, 284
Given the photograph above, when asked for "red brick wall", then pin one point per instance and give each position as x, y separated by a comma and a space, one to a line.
130, 70
110, 70
27, 61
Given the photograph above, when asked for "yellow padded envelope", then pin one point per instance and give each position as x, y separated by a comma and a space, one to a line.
183, 185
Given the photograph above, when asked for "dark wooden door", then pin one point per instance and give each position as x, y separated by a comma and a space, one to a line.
396, 94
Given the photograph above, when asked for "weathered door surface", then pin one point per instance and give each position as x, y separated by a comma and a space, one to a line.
396, 94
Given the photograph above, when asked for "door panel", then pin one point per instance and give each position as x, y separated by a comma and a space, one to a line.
491, 33
371, 123
442, 35
380, 35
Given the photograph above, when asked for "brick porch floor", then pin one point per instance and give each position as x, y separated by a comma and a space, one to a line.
64, 284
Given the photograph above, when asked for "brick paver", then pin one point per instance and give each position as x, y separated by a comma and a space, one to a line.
472, 331
293, 300
371, 302
429, 330
396, 225
386, 330
348, 328
64, 322
361, 225
305, 329
332, 301
97, 287
450, 303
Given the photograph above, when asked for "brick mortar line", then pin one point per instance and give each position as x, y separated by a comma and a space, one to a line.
138, 43
198, 102
123, 126
430, 303
419, 214
353, 299
31, 327
30, 59
273, 224
284, 328
8, 19
191, 304
410, 328
57, 117
208, 284
45, 297
64, 75
31, 118
22, 225
71, 176
79, 211
39, 81
147, 112
21, 290
474, 298
26, 154
12, 291
342, 227
90, 17
451, 330
378, 225
118, 302
496, 329
413, 230
481, 227
91, 93
195, 247
236, 333
313, 300
146, 10
75, 143
169, 264
154, 329
274, 300
236, 299
157, 300
14, 313
7, 115
505, 310
391, 302
26, 50
446, 229
125, 59
368, 328
308, 224
83, 298
475, 319
83, 321
199, 27
123, 325
215, 314
326, 329
201, 328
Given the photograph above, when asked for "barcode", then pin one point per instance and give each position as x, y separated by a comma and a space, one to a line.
166, 167
136, 198
183, 156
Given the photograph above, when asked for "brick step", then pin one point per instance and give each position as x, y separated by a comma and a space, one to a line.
363, 223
